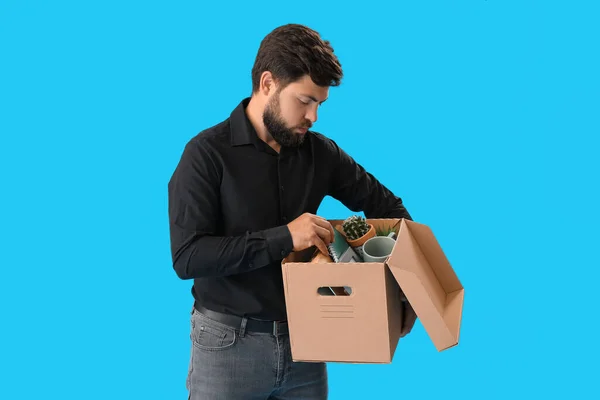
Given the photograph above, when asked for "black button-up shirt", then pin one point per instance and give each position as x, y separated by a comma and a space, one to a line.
231, 197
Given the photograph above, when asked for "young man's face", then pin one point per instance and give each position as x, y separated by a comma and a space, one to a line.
290, 112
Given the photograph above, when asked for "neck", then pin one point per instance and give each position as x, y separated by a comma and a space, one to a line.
254, 112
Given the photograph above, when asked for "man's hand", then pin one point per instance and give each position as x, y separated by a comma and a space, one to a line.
311, 230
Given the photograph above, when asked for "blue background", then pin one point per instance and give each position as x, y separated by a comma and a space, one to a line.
482, 115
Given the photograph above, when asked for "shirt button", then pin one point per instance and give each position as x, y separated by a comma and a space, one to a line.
281, 187
283, 253
284, 219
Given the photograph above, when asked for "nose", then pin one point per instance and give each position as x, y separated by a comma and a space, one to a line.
311, 114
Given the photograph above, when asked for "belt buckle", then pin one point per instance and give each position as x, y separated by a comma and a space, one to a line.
276, 325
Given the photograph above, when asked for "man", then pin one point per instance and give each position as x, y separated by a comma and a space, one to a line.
242, 197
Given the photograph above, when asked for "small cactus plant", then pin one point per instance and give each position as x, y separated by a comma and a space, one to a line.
355, 227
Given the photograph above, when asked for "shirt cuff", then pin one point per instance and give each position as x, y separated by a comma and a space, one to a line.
279, 242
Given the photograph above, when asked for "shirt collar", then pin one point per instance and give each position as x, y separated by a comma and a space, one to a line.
242, 131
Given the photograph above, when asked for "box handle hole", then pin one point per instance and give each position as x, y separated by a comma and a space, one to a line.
334, 291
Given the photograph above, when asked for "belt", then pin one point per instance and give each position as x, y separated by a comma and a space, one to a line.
252, 325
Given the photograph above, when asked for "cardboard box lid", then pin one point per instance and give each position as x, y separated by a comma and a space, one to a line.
428, 281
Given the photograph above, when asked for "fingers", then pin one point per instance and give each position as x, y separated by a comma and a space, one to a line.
320, 245
323, 223
329, 227
320, 220
320, 231
324, 234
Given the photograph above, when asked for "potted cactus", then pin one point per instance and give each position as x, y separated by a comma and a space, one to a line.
357, 232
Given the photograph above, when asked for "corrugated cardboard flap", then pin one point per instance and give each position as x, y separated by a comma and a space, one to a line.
426, 277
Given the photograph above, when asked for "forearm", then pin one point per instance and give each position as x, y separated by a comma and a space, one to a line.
382, 203
204, 256
359, 190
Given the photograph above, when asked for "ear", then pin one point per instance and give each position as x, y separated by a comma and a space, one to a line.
267, 83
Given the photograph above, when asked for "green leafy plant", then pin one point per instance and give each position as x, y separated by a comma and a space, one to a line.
355, 227
385, 231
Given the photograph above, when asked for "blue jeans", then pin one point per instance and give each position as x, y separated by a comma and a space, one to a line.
230, 363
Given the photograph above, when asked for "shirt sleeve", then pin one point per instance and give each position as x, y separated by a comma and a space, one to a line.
193, 205
359, 190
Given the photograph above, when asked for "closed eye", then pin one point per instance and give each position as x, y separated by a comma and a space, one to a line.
317, 101
307, 102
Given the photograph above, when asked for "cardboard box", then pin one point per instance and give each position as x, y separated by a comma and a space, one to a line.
365, 326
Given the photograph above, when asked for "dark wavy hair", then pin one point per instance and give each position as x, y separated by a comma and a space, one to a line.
291, 51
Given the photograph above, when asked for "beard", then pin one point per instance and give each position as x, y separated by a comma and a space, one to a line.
286, 137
